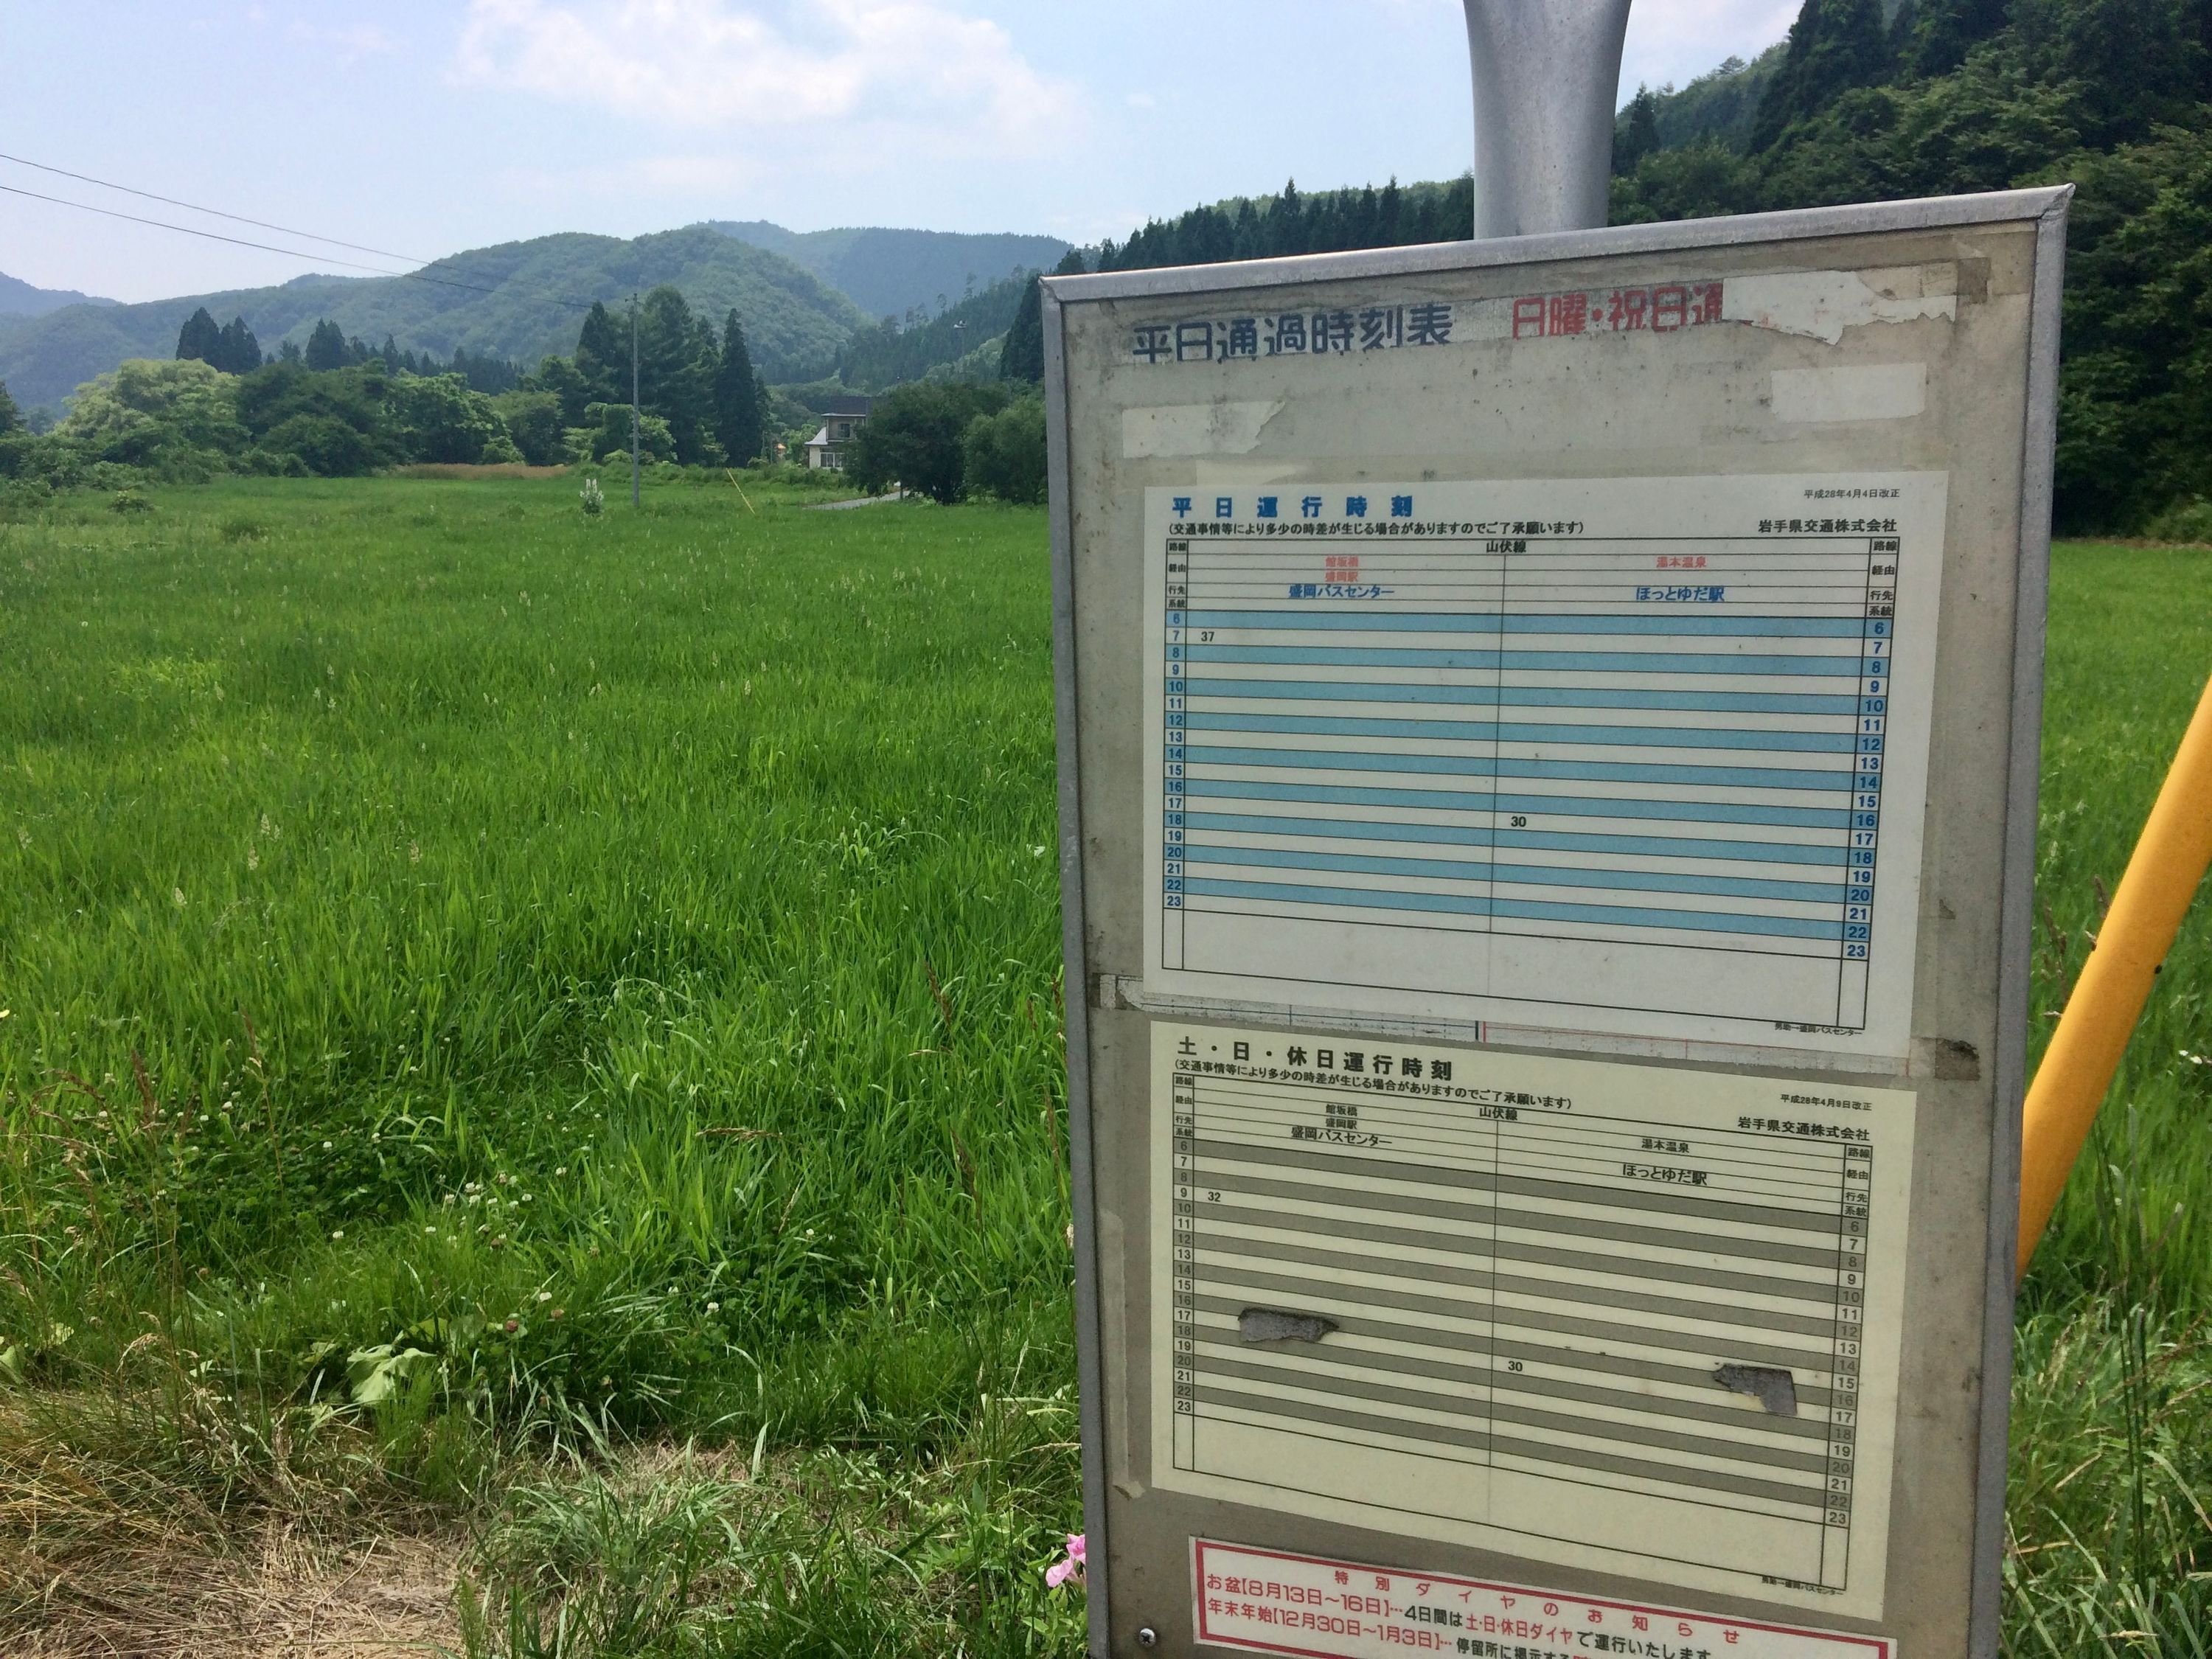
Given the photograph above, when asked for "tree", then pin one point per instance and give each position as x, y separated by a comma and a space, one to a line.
238, 351
1834, 46
437, 417
740, 400
602, 360
562, 378
11, 418
676, 361
145, 412
1022, 357
1637, 135
200, 339
326, 347
533, 422
914, 436
1004, 454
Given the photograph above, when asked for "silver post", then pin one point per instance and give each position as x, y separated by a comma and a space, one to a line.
633, 400
1547, 76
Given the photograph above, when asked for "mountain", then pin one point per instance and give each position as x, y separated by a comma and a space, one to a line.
889, 273
19, 299
537, 293
882, 355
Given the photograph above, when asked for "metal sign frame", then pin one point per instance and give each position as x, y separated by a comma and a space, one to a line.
1996, 1078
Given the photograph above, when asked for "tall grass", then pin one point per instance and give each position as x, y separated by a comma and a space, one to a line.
487, 989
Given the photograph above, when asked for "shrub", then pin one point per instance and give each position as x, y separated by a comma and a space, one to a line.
2189, 520
324, 445
534, 425
915, 437
1004, 453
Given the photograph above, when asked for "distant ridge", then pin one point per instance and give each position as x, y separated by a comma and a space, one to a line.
889, 272
19, 299
796, 323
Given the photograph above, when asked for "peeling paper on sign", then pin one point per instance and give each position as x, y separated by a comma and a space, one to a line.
1169, 430
1820, 304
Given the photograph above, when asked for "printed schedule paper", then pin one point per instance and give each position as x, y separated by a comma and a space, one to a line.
1271, 1602
1635, 1319
1637, 756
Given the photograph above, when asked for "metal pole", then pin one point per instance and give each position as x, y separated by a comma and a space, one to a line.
1547, 78
2162, 878
633, 400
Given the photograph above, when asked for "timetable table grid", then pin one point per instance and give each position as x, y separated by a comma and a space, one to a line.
1658, 742
1496, 1303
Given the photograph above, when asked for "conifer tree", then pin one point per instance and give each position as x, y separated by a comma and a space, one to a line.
738, 397
326, 346
200, 337
237, 351
11, 418
1834, 46
603, 357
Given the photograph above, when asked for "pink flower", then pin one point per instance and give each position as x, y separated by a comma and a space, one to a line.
1060, 1572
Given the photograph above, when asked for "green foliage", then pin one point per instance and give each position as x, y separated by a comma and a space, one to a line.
1964, 95
1834, 46
534, 424
908, 274
1719, 105
678, 360
1248, 228
200, 338
1023, 356
328, 349
896, 350
11, 418
332, 420
794, 323
1637, 134
440, 420
151, 414
1004, 454
740, 398
916, 437
692, 870
606, 436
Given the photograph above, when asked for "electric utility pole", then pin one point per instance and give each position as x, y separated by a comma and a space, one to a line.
633, 400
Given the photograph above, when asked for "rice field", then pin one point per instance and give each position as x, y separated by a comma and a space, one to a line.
542, 1036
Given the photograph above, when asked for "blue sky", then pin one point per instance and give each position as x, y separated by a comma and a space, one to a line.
424, 127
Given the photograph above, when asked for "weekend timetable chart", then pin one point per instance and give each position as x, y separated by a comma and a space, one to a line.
1572, 1309
1634, 756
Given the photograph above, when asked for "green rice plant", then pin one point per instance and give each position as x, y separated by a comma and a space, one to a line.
484, 995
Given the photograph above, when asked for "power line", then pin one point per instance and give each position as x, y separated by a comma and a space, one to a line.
238, 218
188, 230
292, 252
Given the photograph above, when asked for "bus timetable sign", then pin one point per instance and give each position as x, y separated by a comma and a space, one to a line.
1547, 736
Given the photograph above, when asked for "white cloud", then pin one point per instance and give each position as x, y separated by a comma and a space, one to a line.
838, 78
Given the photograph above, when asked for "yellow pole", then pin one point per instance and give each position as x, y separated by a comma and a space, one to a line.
2169, 860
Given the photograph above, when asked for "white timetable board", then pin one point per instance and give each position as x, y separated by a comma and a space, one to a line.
1607, 752
1547, 733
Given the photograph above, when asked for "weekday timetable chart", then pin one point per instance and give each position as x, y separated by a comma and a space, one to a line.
1642, 757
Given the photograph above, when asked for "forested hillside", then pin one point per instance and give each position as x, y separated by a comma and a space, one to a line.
539, 292
21, 299
1943, 97
910, 275
1957, 96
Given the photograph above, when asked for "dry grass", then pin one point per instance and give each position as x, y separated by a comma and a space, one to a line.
279, 1590
162, 1521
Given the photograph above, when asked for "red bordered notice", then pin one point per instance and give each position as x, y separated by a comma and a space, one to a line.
1266, 1602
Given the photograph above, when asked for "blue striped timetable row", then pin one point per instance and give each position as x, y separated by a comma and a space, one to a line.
1420, 764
